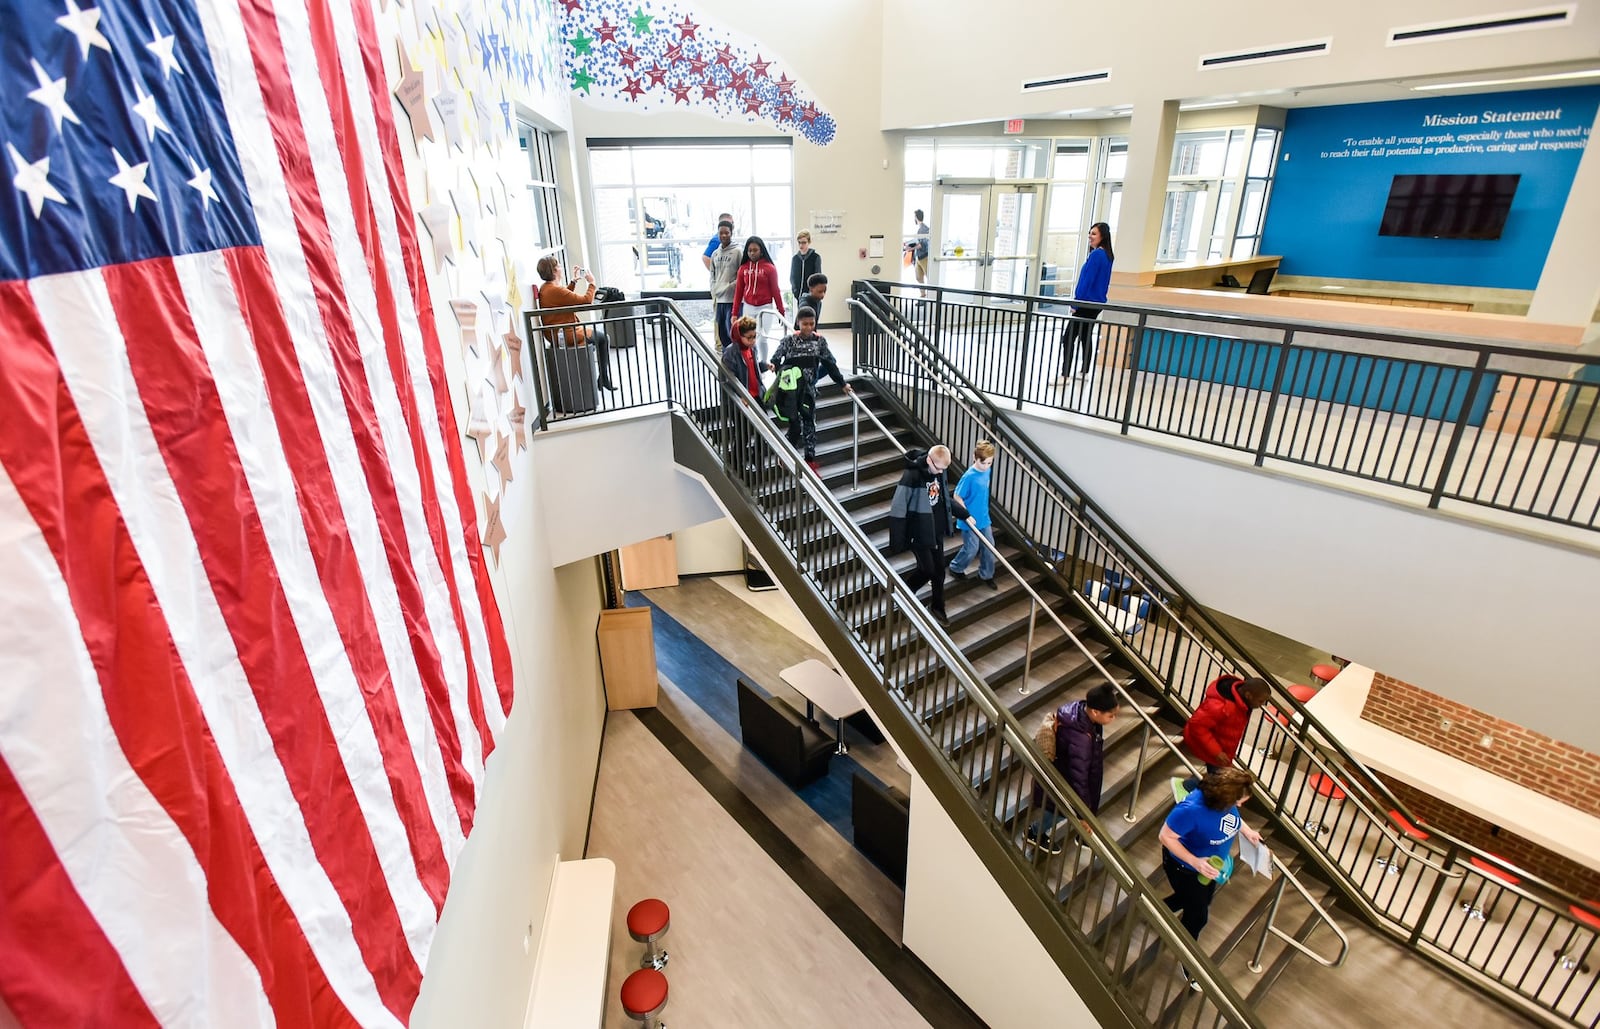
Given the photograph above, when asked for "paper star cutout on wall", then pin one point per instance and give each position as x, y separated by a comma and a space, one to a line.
411, 93
581, 79
641, 21
725, 55
633, 89
494, 532
674, 53
710, 89
658, 75
627, 58
513, 344
785, 85
582, 43
518, 416
759, 67
740, 81
752, 104
681, 93
436, 218
502, 458
572, 5
606, 31
785, 111
697, 65
809, 112
687, 28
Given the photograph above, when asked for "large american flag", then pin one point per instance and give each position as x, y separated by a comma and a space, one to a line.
250, 662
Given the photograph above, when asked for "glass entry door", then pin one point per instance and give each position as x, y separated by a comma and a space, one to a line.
986, 236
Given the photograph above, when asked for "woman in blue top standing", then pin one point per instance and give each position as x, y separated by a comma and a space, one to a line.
1093, 282
1197, 843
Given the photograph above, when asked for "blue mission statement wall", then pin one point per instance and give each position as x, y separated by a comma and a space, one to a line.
1336, 164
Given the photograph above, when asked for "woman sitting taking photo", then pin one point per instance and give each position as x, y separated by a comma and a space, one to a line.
563, 330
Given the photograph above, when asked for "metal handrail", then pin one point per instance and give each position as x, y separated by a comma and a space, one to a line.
1039, 602
1456, 851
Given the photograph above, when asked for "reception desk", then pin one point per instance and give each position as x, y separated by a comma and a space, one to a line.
1207, 275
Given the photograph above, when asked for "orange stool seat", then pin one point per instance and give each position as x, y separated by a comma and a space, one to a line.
1494, 871
1324, 673
1327, 786
648, 921
1302, 693
1573, 956
1493, 875
1395, 862
1586, 916
1406, 827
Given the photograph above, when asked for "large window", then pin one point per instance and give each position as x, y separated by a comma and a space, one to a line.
656, 207
1212, 169
549, 235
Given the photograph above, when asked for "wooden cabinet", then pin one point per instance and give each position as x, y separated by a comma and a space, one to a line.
627, 658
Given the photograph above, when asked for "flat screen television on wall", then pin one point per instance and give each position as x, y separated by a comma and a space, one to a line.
1448, 206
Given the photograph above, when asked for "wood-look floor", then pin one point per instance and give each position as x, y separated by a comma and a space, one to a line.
747, 946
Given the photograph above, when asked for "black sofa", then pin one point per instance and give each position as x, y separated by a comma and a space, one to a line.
881, 819
791, 746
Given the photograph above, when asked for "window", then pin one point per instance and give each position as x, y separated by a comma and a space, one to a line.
1216, 194
656, 207
1257, 188
549, 235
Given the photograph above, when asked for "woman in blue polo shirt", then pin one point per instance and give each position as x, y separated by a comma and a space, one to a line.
1197, 843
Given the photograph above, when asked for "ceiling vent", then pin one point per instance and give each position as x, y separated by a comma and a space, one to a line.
1485, 25
1081, 78
1285, 52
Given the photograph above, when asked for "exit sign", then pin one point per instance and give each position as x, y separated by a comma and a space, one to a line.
1013, 126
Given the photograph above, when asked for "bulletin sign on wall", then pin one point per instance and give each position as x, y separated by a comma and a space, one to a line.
1337, 164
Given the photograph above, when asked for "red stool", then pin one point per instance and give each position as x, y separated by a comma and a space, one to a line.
1395, 862
1569, 954
1325, 786
647, 923
644, 994
1492, 874
1284, 718
1324, 673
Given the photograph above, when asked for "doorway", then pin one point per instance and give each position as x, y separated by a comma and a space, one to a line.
986, 235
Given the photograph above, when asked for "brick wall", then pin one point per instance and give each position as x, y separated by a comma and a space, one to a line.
1525, 757
1559, 871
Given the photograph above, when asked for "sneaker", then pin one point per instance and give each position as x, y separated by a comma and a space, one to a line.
811, 463
958, 573
989, 582
1179, 790
942, 618
1194, 984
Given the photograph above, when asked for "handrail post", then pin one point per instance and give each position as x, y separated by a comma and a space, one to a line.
855, 447
1027, 343
1478, 368
1138, 776
1134, 378
1272, 398
666, 354
1027, 657
1272, 912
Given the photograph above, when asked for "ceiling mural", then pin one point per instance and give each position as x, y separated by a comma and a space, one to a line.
659, 56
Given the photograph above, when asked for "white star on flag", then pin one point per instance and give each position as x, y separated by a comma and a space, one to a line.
146, 109
52, 93
130, 179
161, 46
34, 180
202, 183
85, 24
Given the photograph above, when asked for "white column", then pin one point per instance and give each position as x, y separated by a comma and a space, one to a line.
1569, 286
1144, 191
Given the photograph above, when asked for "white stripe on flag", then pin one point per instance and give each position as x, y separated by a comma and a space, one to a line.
230, 351
100, 379
372, 153
130, 864
323, 151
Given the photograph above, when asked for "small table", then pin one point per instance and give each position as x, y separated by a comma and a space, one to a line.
823, 687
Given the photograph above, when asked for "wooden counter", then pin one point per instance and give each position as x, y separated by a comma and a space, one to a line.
1201, 275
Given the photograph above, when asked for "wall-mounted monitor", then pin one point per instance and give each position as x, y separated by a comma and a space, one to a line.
1448, 206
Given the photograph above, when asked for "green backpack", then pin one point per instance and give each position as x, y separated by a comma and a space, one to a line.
783, 396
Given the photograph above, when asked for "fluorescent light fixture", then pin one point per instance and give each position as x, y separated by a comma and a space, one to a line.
1560, 76
1208, 105
1333, 287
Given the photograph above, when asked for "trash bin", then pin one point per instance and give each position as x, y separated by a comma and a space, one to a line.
572, 378
622, 326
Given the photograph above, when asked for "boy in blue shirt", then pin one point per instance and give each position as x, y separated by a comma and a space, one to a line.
973, 489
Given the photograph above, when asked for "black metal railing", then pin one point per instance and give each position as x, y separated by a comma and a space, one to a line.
1341, 815
1507, 428
1091, 891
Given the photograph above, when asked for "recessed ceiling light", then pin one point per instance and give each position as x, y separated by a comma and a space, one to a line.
1207, 105
1560, 76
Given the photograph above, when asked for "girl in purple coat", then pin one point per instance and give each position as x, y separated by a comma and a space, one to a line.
1080, 756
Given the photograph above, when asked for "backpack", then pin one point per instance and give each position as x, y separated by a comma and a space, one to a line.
1045, 736
783, 396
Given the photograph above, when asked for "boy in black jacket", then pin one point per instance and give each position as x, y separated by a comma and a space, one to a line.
922, 513
807, 351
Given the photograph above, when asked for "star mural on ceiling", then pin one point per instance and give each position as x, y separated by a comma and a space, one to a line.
670, 59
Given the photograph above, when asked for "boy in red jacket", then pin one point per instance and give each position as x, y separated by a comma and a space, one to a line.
1216, 728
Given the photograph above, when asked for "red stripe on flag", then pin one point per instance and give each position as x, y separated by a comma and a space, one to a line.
336, 563
148, 696
405, 223
322, 34
184, 411
56, 966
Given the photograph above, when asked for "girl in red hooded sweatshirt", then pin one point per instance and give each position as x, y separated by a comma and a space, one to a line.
757, 293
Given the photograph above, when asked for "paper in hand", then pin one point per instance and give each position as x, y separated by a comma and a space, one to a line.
1255, 856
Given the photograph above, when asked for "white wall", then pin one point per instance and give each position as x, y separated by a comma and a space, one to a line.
1497, 620
964, 928
708, 548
